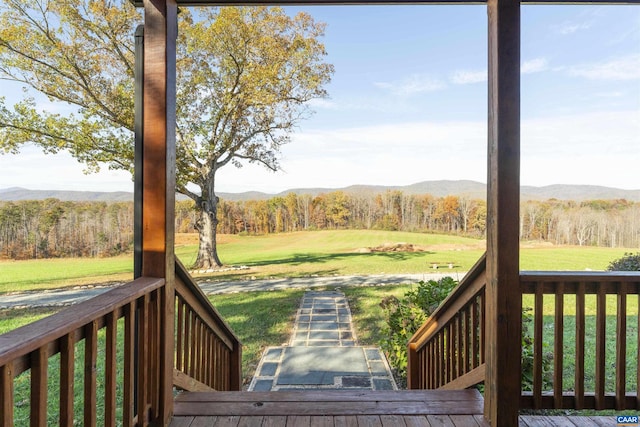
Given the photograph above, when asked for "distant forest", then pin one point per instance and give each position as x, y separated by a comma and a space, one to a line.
54, 228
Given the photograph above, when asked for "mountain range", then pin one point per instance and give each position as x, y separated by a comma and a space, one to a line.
472, 189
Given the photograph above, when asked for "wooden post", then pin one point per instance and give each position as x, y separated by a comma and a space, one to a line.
504, 304
159, 161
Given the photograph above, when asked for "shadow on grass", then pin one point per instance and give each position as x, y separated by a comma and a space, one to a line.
260, 320
240, 275
311, 258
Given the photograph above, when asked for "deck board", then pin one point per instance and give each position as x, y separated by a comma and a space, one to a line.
339, 402
341, 408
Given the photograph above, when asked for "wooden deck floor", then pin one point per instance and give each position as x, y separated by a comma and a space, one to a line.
424, 408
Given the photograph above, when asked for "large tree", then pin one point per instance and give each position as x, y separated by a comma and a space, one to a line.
245, 76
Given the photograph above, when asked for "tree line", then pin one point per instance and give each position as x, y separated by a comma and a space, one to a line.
54, 228
610, 223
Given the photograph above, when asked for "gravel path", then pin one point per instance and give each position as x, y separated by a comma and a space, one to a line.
72, 296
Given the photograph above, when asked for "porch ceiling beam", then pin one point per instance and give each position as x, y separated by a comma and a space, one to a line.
138, 3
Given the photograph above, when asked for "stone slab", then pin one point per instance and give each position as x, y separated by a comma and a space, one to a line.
320, 365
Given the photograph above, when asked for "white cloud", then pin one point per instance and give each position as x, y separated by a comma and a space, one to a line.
322, 103
34, 170
622, 68
569, 27
463, 77
414, 84
598, 148
601, 148
534, 66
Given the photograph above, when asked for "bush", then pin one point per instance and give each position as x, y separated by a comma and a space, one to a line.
404, 317
629, 262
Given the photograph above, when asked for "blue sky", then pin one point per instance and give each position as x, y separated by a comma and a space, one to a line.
408, 104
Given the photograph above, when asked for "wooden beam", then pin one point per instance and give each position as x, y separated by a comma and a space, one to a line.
503, 306
159, 164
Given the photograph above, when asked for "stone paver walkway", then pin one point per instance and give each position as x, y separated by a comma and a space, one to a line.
323, 352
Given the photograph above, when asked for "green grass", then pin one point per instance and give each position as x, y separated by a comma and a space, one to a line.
259, 319
338, 252
262, 319
63, 272
367, 315
569, 338
13, 318
305, 253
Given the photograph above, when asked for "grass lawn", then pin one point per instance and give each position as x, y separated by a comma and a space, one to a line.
305, 253
263, 319
55, 273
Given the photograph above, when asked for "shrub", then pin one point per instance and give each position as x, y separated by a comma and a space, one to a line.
404, 317
629, 262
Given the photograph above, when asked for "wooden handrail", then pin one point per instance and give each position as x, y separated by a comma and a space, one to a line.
208, 353
20, 342
31, 347
449, 346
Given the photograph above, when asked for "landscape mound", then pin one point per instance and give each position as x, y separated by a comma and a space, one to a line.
393, 247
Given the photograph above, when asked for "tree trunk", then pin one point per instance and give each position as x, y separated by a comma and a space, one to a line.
207, 225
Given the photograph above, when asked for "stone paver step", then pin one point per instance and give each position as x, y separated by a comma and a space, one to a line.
323, 352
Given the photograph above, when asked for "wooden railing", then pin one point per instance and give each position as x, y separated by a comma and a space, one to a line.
585, 340
598, 314
208, 354
116, 333
448, 350
100, 359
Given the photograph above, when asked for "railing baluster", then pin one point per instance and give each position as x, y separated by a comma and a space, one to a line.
468, 347
558, 347
39, 366
179, 332
192, 343
201, 358
580, 340
6, 395
433, 367
460, 348
601, 339
538, 317
448, 351
475, 333
110, 375
621, 347
198, 348
188, 317
90, 377
481, 327
212, 340
143, 360
154, 354
222, 369
129, 367
67, 369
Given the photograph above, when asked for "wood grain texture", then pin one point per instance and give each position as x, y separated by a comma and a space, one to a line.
503, 297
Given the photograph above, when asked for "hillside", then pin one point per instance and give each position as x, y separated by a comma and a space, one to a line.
472, 189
